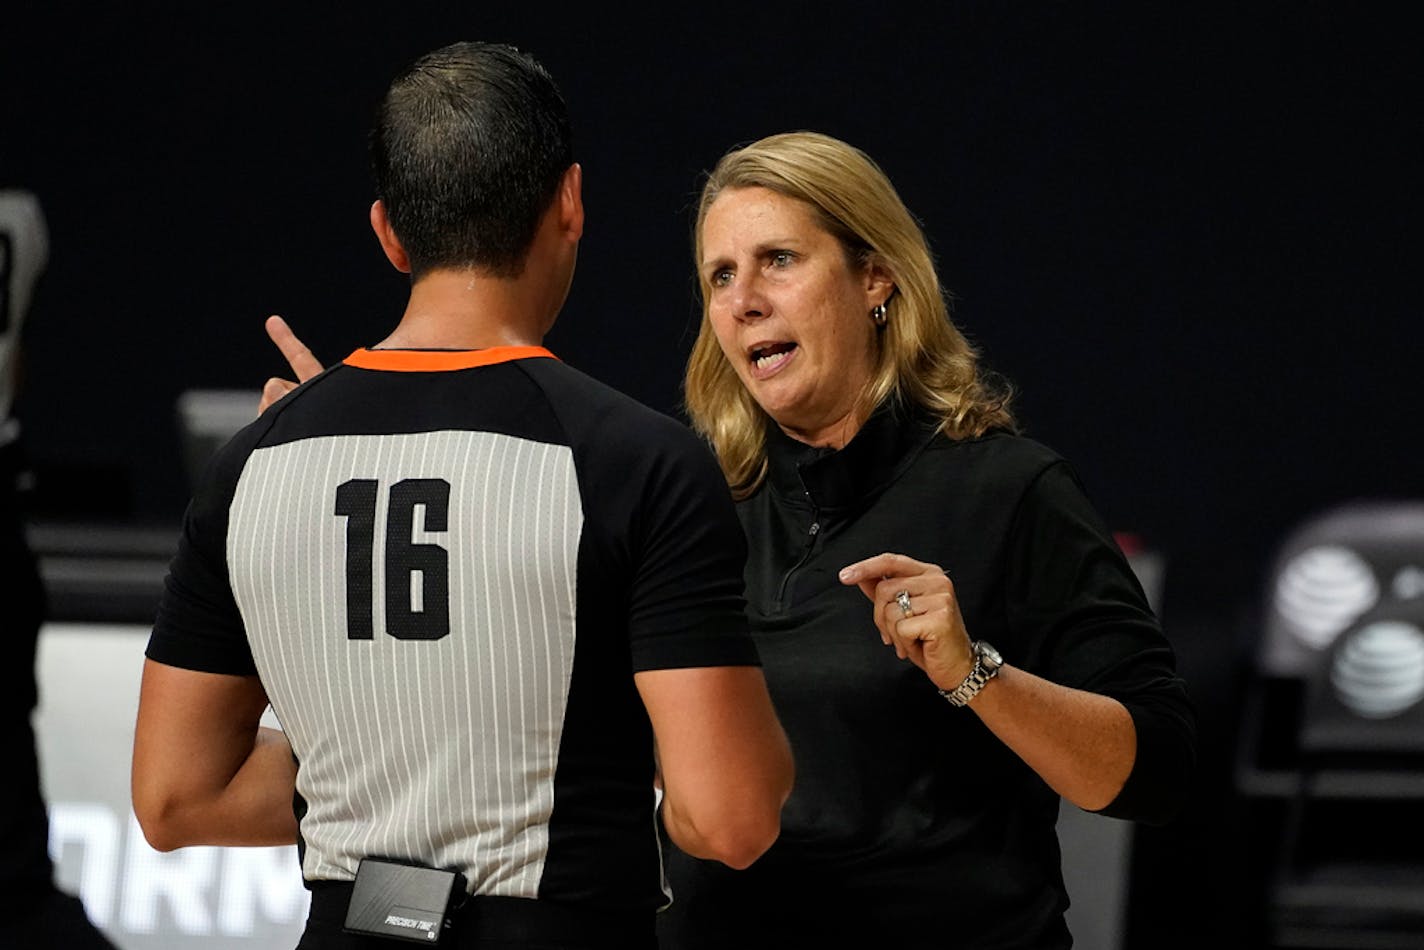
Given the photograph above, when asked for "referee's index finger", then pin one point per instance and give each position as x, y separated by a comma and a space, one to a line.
298, 357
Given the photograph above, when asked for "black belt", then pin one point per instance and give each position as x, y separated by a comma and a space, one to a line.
506, 919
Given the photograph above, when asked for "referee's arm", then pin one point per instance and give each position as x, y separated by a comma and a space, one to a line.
204, 770
726, 765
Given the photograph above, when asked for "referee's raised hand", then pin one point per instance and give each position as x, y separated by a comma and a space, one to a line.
299, 358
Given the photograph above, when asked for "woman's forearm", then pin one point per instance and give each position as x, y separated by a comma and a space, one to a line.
1082, 744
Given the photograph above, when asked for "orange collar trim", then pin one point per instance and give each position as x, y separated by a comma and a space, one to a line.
439, 361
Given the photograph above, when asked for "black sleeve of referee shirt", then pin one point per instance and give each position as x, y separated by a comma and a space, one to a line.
688, 606
670, 549
199, 626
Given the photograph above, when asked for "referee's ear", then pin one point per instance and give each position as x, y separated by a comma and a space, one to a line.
381, 224
570, 199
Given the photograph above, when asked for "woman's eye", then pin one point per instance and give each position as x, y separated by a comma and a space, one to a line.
782, 258
722, 277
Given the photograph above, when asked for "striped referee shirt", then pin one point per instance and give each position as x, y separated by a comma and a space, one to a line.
446, 567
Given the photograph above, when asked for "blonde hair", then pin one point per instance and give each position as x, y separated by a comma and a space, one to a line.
923, 359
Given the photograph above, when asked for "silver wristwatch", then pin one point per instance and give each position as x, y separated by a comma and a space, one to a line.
986, 666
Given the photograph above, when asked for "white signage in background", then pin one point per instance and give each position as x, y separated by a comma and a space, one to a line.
197, 892
86, 836
231, 898
260, 883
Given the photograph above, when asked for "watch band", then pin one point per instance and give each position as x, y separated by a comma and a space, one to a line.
986, 666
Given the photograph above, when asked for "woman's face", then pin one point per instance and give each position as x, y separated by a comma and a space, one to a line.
791, 313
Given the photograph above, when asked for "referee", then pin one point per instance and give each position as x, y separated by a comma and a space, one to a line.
490, 600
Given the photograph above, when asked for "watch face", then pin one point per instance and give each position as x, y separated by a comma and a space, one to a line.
992, 659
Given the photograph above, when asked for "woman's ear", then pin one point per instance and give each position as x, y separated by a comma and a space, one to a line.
879, 284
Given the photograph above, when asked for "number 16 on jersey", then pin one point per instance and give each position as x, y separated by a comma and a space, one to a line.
417, 588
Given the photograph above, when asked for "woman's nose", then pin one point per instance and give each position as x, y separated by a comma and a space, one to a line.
748, 301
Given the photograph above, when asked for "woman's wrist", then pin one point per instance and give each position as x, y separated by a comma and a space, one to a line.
953, 669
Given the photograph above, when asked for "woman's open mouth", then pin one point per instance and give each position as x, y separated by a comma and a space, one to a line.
768, 358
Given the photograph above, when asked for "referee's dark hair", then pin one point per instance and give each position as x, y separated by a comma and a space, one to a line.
468, 149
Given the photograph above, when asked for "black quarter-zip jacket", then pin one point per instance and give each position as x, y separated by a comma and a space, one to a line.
910, 822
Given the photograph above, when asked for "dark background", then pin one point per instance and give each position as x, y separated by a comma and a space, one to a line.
1187, 233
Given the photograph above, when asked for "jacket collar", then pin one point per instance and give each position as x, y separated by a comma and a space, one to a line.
828, 478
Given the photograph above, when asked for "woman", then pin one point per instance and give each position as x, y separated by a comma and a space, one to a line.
850, 419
